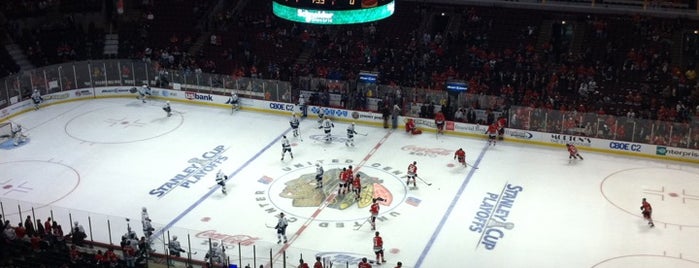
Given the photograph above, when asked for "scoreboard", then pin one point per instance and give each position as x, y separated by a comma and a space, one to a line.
333, 11
333, 4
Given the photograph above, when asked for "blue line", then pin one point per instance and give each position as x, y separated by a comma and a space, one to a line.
450, 209
198, 202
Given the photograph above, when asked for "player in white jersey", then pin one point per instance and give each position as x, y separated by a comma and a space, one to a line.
221, 180
216, 254
286, 147
233, 101
327, 127
167, 108
350, 135
18, 134
294, 123
412, 173
321, 115
143, 93
282, 223
37, 99
319, 175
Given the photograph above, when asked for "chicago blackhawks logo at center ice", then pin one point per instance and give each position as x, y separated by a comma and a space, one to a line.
491, 219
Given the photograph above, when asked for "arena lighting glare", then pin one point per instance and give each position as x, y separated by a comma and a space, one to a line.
333, 12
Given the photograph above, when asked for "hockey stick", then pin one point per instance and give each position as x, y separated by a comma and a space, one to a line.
469, 165
363, 134
362, 224
423, 181
270, 226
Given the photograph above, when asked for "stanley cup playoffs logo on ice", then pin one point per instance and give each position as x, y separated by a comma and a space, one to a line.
491, 219
196, 169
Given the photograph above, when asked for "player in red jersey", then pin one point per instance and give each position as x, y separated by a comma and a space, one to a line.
350, 178
318, 264
439, 121
357, 186
461, 156
502, 121
303, 264
647, 210
374, 210
411, 128
573, 152
364, 264
342, 187
378, 248
412, 173
492, 133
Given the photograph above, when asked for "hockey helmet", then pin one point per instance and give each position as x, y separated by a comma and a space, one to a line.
215, 244
144, 209
174, 237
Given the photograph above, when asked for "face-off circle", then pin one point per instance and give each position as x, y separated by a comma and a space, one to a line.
32, 190
295, 193
671, 192
117, 125
646, 260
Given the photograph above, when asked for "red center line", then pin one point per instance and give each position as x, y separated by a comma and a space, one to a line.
325, 203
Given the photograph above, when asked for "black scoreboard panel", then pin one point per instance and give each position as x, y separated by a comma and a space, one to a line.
333, 4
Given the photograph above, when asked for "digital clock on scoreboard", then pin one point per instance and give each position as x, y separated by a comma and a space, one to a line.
333, 11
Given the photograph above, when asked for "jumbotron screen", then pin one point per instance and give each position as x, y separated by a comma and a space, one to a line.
333, 11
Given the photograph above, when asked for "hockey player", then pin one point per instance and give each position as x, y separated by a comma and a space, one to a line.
327, 127
221, 180
350, 135
167, 108
460, 154
412, 173
286, 147
357, 186
411, 128
233, 101
378, 248
573, 152
350, 177
146, 223
319, 176
342, 187
282, 223
439, 121
143, 93
321, 115
17, 134
646, 211
318, 264
37, 99
502, 121
374, 210
492, 133
364, 263
175, 247
302, 264
302, 106
294, 123
215, 254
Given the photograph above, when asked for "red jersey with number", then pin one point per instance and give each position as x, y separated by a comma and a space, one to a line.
492, 129
364, 265
439, 118
461, 155
378, 242
356, 183
572, 149
412, 169
374, 209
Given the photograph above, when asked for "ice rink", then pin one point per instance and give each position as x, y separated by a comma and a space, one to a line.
524, 205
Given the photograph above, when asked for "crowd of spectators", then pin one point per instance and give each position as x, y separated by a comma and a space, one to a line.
46, 244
